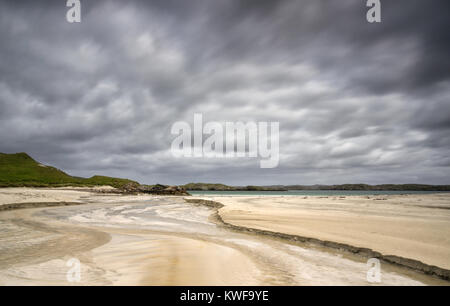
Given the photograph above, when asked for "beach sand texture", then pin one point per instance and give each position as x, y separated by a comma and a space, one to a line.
410, 226
160, 240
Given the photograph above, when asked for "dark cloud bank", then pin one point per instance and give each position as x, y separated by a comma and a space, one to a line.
356, 102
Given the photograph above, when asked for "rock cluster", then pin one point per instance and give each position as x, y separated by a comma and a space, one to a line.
155, 189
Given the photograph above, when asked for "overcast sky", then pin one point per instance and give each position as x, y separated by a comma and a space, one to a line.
356, 102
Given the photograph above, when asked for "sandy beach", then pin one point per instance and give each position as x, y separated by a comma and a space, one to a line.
410, 226
36, 245
156, 240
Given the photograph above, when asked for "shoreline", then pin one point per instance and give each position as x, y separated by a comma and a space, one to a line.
170, 251
412, 264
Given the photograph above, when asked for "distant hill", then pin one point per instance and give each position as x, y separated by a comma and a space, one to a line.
207, 186
20, 170
385, 187
17, 170
222, 187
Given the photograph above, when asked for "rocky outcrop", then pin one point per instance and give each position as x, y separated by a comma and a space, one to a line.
166, 190
155, 189
129, 188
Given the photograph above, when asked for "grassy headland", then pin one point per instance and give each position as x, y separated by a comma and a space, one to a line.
20, 170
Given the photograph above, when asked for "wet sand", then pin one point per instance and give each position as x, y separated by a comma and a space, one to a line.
35, 249
149, 240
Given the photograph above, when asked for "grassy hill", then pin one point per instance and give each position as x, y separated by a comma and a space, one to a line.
17, 170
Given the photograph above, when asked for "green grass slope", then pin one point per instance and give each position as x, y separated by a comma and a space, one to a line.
17, 170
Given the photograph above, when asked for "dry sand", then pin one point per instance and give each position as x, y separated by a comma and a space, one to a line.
158, 259
410, 226
47, 195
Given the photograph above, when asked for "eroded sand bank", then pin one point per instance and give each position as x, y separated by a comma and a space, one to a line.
410, 226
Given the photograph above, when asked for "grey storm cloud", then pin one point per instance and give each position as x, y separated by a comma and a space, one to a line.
356, 102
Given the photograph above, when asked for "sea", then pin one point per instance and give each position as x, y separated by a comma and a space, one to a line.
310, 193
